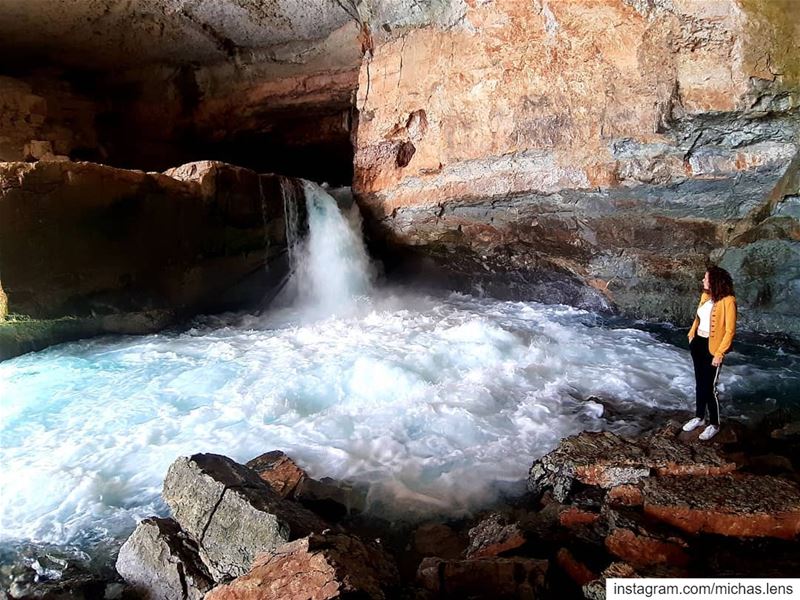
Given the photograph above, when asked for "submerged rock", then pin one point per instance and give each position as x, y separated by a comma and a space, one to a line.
160, 562
231, 513
318, 567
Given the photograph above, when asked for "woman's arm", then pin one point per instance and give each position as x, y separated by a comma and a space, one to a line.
730, 328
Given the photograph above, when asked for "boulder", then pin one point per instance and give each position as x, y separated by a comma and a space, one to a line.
490, 577
160, 562
231, 512
493, 536
733, 505
317, 567
89, 241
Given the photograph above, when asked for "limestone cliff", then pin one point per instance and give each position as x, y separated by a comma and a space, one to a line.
602, 149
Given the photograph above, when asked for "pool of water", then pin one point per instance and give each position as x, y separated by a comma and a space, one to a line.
432, 403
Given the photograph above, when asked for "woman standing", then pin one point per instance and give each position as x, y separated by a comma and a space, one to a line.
710, 338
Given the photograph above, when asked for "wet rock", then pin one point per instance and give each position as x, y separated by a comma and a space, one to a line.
231, 512
600, 459
320, 566
490, 577
89, 241
279, 471
575, 569
493, 536
160, 561
330, 499
437, 539
733, 505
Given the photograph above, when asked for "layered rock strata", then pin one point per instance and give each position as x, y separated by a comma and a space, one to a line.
596, 153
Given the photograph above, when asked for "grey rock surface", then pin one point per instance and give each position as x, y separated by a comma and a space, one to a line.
161, 562
231, 513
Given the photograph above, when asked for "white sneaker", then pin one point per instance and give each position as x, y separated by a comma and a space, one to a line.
709, 432
693, 424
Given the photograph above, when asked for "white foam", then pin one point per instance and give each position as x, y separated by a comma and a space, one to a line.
430, 402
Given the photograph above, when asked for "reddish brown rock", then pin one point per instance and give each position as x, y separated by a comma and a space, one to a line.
741, 505
317, 567
493, 536
490, 577
576, 517
279, 471
641, 550
625, 495
575, 570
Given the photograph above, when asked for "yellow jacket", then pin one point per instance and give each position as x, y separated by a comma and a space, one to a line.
723, 324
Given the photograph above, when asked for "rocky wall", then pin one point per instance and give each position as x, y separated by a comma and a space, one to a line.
87, 249
42, 116
598, 153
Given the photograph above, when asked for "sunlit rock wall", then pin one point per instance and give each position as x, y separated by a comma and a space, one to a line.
595, 152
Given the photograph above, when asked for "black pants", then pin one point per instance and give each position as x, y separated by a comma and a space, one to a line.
705, 378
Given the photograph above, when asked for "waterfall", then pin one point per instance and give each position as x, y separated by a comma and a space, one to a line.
333, 268
292, 194
264, 222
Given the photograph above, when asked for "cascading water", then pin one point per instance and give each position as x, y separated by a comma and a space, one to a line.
433, 403
333, 268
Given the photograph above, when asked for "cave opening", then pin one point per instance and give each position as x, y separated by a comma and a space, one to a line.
159, 119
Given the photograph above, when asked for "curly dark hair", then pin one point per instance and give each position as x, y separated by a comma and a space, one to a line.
720, 283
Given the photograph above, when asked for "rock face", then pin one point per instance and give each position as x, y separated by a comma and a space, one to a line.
742, 505
231, 512
160, 561
92, 242
609, 461
43, 117
318, 567
597, 153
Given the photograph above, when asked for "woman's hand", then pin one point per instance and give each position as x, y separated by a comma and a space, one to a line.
717, 361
